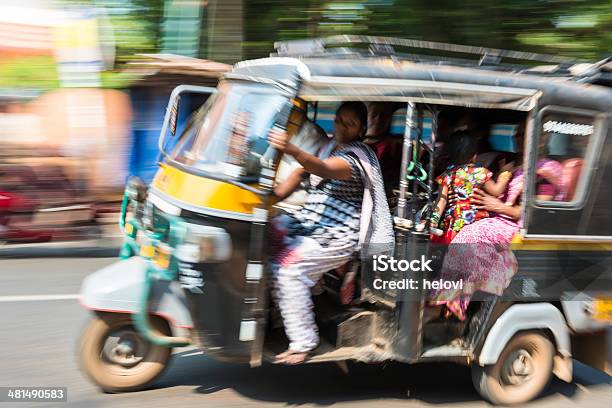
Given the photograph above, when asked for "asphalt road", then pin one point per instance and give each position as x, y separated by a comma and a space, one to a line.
38, 339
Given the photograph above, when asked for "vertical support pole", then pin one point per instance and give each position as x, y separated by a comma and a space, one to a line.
415, 153
406, 155
530, 151
430, 181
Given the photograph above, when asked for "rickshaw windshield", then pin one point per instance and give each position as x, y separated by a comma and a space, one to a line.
229, 133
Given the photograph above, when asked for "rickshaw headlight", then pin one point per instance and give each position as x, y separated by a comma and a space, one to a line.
205, 244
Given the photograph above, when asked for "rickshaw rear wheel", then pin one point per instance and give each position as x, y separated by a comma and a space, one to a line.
117, 358
522, 372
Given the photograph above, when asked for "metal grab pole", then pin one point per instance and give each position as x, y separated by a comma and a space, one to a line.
430, 181
416, 145
406, 155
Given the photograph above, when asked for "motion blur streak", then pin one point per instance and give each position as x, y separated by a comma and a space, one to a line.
83, 84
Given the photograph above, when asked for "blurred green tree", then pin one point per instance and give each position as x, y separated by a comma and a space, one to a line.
570, 27
576, 28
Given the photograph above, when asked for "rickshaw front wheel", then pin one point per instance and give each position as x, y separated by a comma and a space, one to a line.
117, 358
522, 371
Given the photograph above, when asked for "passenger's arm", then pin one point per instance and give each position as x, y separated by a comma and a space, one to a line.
484, 201
332, 168
497, 188
287, 187
440, 205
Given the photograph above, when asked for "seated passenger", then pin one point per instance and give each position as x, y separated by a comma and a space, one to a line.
562, 149
448, 124
346, 194
480, 254
461, 178
388, 149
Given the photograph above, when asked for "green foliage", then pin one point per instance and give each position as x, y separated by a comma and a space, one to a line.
576, 28
118, 79
29, 72
569, 27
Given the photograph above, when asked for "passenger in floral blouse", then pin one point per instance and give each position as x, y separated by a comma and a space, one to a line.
461, 178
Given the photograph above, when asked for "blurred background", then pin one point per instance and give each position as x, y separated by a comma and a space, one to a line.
84, 84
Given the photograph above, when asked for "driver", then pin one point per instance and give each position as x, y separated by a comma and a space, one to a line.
346, 193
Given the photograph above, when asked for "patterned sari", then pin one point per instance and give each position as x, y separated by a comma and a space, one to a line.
480, 253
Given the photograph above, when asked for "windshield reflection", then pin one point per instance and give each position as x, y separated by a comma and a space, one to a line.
229, 133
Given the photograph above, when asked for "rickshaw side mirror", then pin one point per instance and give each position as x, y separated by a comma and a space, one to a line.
171, 117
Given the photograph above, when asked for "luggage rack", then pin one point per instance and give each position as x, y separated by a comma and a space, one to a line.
346, 46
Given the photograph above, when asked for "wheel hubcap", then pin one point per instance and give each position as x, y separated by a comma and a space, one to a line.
519, 368
125, 348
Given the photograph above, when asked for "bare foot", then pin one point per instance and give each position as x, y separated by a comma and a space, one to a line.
291, 357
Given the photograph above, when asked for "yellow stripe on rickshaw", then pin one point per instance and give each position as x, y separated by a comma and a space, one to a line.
203, 192
520, 243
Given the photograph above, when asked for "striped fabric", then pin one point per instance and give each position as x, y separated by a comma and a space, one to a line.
331, 212
323, 235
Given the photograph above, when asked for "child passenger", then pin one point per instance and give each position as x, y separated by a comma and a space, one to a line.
462, 177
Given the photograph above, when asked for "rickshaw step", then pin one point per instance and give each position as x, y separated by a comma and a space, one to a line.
454, 349
327, 353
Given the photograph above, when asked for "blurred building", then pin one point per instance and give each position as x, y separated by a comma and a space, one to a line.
86, 126
27, 31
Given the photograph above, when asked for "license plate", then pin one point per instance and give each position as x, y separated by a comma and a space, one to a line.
602, 309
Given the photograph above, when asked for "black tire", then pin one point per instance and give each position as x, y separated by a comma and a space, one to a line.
111, 376
501, 384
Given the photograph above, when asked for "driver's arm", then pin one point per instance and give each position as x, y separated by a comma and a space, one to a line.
333, 168
291, 183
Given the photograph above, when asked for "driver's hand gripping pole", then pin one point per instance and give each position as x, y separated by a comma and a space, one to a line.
271, 157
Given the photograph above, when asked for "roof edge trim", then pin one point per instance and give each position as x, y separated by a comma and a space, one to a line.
302, 69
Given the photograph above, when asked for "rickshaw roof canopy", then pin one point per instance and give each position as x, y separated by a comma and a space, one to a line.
318, 73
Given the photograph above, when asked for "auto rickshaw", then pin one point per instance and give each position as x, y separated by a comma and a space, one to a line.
195, 266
